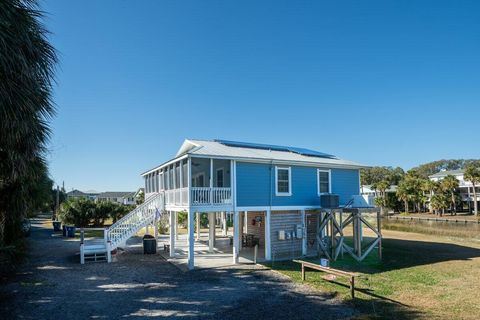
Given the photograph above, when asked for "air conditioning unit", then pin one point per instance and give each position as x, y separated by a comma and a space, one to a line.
329, 201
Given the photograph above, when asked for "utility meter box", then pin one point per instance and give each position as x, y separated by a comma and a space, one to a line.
281, 234
299, 231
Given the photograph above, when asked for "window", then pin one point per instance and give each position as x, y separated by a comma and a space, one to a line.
324, 185
283, 181
220, 178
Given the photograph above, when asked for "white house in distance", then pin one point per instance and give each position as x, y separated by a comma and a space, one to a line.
120, 197
465, 187
370, 194
272, 192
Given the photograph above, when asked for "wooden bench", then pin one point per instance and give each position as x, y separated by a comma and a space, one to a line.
351, 276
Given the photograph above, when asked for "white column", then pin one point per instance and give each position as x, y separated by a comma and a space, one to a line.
236, 236
304, 235
191, 240
172, 234
176, 225
224, 224
198, 226
211, 181
211, 231
268, 239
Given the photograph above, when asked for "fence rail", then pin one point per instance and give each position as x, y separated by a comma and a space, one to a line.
432, 219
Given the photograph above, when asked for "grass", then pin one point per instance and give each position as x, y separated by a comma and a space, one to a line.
420, 277
470, 231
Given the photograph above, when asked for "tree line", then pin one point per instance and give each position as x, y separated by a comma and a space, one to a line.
27, 69
415, 189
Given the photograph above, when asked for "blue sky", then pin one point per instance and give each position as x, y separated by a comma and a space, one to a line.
378, 82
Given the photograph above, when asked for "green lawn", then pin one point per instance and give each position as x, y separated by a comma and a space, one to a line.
421, 276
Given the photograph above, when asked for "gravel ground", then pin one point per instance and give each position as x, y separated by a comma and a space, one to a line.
53, 285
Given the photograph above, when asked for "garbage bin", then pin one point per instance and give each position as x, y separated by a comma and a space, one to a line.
57, 225
70, 231
149, 244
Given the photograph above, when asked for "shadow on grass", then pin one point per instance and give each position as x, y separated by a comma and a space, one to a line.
400, 254
370, 304
382, 279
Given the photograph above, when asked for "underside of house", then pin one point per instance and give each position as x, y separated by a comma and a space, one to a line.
280, 203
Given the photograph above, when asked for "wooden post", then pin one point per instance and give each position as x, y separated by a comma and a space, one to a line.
352, 287
332, 235
304, 231
379, 229
303, 272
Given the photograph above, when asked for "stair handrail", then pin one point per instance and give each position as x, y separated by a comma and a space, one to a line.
126, 226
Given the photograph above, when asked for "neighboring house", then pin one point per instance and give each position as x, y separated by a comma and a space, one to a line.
125, 198
272, 192
92, 195
465, 188
138, 195
370, 194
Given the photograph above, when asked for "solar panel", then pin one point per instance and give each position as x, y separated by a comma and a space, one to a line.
301, 151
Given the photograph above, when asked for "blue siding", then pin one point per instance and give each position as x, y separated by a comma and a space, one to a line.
345, 183
256, 185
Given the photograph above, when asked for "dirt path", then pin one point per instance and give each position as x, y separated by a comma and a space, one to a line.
53, 285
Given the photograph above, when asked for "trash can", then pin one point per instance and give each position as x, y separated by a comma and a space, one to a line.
149, 244
57, 225
70, 231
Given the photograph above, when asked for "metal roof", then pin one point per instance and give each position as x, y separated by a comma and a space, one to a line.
257, 152
116, 194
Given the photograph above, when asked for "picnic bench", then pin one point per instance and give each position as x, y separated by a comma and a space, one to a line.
340, 273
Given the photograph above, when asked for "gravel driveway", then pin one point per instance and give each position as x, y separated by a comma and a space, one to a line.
53, 285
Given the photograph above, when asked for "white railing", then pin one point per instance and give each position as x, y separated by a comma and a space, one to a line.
210, 196
130, 224
199, 196
177, 197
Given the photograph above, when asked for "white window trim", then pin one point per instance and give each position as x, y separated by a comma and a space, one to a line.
283, 194
223, 176
329, 180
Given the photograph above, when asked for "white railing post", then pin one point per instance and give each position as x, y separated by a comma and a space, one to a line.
211, 181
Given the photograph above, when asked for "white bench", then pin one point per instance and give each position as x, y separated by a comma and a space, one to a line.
94, 250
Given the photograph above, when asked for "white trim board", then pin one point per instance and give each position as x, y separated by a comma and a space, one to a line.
283, 194
329, 181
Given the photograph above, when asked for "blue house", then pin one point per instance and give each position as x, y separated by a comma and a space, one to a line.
271, 193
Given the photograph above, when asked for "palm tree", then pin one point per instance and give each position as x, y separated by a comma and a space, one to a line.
382, 187
27, 63
403, 194
439, 202
450, 184
472, 174
429, 186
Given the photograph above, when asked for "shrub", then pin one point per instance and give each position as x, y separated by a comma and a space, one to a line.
86, 213
77, 212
